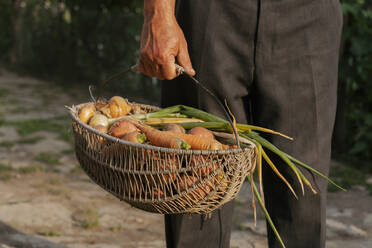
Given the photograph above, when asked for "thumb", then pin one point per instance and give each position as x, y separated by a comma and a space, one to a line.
183, 59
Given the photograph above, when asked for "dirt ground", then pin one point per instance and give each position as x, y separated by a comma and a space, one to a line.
46, 200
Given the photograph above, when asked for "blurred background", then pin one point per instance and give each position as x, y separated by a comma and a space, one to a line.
51, 50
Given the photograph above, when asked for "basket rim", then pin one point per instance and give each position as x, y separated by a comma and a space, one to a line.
73, 113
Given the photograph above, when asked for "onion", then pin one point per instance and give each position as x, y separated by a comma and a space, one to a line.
87, 112
118, 106
99, 120
101, 128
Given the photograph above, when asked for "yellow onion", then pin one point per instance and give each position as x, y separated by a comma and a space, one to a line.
87, 112
118, 106
104, 108
101, 128
99, 120
135, 109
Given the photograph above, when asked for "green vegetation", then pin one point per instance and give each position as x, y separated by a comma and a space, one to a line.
55, 181
23, 85
3, 92
31, 140
19, 109
76, 170
10, 144
348, 176
27, 127
4, 167
31, 169
6, 177
7, 144
50, 234
88, 218
48, 158
5, 172
116, 228
353, 137
59, 125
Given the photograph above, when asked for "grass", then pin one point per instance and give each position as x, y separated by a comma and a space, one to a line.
58, 191
12, 101
48, 158
31, 140
54, 181
7, 144
4, 167
88, 218
6, 177
31, 169
23, 85
76, 170
27, 127
116, 228
59, 125
347, 177
19, 109
5, 172
3, 92
50, 234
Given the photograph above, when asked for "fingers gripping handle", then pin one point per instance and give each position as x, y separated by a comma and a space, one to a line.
179, 69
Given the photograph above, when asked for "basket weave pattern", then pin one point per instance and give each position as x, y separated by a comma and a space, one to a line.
161, 180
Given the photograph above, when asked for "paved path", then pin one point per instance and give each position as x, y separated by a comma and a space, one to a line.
47, 201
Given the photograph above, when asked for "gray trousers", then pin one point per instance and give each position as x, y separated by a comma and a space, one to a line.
276, 63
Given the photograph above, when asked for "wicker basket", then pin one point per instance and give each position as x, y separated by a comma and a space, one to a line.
161, 180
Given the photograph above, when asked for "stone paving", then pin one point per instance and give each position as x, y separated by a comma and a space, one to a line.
47, 201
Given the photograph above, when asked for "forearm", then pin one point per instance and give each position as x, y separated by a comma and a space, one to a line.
163, 9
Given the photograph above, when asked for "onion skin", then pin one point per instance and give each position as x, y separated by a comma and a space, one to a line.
105, 110
118, 106
121, 128
201, 132
87, 112
174, 127
101, 128
99, 120
135, 109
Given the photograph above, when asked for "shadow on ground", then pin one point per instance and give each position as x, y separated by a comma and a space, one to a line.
14, 238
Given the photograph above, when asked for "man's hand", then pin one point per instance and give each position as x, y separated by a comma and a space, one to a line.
162, 42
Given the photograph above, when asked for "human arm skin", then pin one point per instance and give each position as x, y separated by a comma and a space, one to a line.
162, 42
